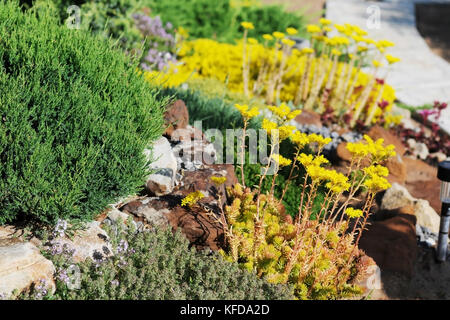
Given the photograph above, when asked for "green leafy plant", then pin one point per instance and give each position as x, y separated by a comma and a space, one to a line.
156, 264
75, 118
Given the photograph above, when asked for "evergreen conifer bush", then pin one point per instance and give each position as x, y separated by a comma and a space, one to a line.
75, 118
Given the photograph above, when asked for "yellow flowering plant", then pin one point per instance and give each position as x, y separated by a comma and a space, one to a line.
327, 76
317, 252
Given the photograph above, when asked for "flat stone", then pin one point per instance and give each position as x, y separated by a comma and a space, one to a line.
21, 265
309, 118
92, 242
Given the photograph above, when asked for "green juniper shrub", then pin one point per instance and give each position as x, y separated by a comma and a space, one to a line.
75, 118
155, 264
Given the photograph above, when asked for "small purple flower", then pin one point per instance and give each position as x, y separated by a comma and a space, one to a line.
60, 228
115, 283
123, 246
41, 289
63, 276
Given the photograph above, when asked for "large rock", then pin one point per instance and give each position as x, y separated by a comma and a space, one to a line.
198, 223
164, 165
176, 117
422, 182
392, 243
21, 265
149, 210
342, 152
397, 169
195, 152
309, 118
377, 132
398, 196
92, 242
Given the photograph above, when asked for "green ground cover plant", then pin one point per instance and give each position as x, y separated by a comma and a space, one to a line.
76, 117
156, 264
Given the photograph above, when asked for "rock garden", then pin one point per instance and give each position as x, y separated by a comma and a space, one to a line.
203, 150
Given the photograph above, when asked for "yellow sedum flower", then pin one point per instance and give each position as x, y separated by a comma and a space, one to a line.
305, 159
353, 213
245, 112
291, 31
336, 52
294, 113
338, 182
252, 41
267, 37
247, 25
378, 151
362, 48
312, 28
376, 184
391, 119
377, 64
280, 160
285, 132
218, 180
300, 139
288, 42
325, 22
358, 150
391, 59
307, 50
376, 170
268, 126
278, 35
320, 140
192, 198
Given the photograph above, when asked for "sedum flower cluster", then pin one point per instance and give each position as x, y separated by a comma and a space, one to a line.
315, 250
327, 76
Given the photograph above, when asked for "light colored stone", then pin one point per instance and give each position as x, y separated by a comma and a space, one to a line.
426, 216
155, 217
398, 196
117, 216
412, 143
421, 150
92, 242
439, 156
194, 154
21, 264
6, 232
164, 164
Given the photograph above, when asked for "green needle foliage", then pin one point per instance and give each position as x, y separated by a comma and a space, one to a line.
75, 118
